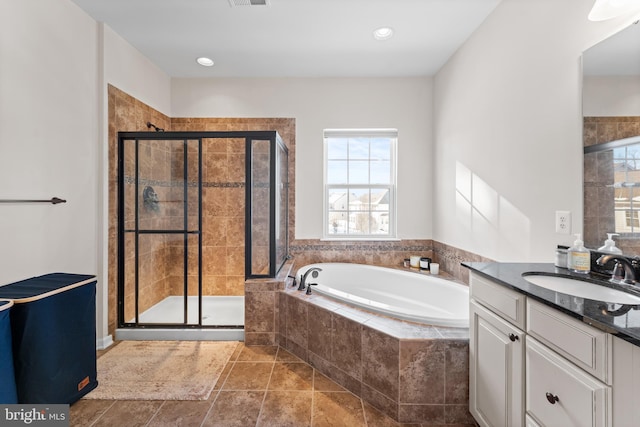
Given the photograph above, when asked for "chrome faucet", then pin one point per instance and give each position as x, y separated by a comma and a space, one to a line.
629, 270
314, 273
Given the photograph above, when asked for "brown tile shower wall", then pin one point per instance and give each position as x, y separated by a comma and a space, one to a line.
128, 114
223, 198
599, 175
413, 373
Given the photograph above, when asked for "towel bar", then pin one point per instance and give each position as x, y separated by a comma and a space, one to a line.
53, 201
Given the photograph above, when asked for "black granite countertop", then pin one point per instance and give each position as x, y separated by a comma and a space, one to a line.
620, 320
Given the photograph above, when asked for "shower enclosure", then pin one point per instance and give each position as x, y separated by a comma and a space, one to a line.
198, 214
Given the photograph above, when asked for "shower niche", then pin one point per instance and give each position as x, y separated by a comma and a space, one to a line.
198, 214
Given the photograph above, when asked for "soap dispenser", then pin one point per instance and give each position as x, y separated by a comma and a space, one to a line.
579, 257
610, 245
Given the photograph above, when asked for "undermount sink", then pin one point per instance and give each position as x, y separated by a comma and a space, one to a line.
582, 289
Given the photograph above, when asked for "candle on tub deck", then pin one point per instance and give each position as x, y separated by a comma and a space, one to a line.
435, 268
414, 261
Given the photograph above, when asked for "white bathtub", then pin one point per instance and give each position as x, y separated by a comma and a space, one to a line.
402, 294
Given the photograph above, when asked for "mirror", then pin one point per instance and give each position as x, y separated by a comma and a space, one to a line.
611, 137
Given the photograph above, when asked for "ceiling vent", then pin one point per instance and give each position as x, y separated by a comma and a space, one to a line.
235, 3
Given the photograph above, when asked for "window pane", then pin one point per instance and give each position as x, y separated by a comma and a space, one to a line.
338, 199
358, 172
359, 148
337, 172
336, 148
381, 148
379, 199
358, 200
619, 153
380, 223
359, 223
633, 152
381, 172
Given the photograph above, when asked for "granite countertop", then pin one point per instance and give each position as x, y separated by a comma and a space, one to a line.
620, 320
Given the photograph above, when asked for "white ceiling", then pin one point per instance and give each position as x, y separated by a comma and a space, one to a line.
293, 38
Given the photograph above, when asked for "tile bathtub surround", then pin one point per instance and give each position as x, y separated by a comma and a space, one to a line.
413, 373
383, 253
262, 307
262, 386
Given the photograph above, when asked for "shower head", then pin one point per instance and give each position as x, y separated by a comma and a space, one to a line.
156, 128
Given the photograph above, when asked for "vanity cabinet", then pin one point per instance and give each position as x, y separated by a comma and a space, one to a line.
532, 365
496, 354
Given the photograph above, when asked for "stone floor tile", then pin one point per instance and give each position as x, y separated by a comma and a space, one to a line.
323, 383
258, 354
235, 409
286, 409
332, 408
291, 376
129, 413
248, 376
86, 411
176, 413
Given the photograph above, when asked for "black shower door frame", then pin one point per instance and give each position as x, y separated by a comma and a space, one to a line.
136, 137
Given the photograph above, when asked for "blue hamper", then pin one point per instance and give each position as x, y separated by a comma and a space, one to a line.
7, 378
53, 328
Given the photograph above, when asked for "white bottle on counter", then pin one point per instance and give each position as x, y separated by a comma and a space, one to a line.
610, 245
579, 257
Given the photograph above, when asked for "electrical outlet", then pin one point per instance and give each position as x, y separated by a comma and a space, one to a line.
563, 222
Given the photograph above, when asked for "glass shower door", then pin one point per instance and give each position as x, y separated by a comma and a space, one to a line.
161, 239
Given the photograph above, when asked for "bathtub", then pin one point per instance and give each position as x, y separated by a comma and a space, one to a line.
397, 293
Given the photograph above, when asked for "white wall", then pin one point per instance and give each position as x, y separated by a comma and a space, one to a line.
124, 67
48, 138
319, 103
55, 62
606, 96
507, 116
128, 70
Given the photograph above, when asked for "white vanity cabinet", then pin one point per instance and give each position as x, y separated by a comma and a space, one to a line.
496, 354
532, 365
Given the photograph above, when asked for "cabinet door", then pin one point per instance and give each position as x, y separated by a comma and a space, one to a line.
561, 394
496, 370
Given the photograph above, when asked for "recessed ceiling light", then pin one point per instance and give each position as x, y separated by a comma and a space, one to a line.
205, 62
383, 33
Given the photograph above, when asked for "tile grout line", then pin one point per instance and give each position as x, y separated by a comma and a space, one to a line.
264, 398
313, 393
156, 412
229, 362
101, 415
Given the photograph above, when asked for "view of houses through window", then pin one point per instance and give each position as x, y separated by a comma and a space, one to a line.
626, 171
360, 182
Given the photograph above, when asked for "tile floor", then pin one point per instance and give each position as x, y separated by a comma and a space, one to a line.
260, 386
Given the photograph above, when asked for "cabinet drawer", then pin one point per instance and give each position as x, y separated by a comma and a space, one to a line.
508, 303
560, 394
587, 347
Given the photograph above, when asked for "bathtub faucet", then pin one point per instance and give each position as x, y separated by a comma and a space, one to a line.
314, 273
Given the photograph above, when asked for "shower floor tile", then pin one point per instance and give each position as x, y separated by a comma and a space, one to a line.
218, 311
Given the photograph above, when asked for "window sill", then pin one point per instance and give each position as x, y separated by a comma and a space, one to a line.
360, 239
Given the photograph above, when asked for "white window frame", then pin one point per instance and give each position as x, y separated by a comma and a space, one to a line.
392, 186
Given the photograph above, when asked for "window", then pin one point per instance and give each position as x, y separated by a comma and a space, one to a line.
626, 188
360, 183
